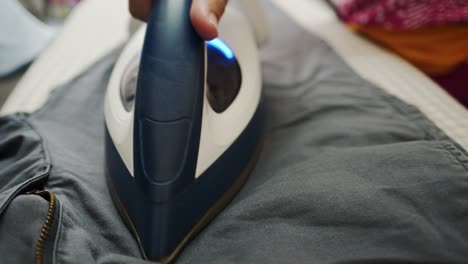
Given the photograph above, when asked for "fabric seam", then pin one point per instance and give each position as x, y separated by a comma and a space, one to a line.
458, 155
58, 235
40, 172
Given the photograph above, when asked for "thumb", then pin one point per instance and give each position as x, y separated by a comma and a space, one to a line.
205, 15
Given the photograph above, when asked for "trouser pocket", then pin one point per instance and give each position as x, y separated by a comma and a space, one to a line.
27, 213
24, 164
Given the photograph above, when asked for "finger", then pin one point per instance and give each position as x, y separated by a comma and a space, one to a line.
140, 9
205, 15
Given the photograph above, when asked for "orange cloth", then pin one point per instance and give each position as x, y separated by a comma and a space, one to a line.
434, 50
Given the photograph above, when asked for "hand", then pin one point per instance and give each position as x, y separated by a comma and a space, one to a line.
204, 14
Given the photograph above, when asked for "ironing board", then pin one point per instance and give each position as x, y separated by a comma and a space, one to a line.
86, 37
348, 172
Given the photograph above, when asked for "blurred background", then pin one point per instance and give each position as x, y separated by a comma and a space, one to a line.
43, 19
52, 12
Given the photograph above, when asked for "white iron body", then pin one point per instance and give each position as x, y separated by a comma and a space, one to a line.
219, 130
183, 122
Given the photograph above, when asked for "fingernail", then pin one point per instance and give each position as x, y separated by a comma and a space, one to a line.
213, 19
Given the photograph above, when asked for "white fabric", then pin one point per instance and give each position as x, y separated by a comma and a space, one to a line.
381, 67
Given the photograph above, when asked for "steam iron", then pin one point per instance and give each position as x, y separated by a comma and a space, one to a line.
183, 123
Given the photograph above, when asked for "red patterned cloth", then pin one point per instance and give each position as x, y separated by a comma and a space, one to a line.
403, 14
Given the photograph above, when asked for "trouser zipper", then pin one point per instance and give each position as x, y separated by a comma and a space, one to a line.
45, 230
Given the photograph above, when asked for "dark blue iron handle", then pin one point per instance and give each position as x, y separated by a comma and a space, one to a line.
169, 100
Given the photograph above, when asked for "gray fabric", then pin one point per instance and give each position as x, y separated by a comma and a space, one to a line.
348, 174
20, 227
23, 162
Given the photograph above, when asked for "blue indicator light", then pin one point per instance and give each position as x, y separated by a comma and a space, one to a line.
218, 44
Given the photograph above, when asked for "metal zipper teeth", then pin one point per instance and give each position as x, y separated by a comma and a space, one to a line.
47, 224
